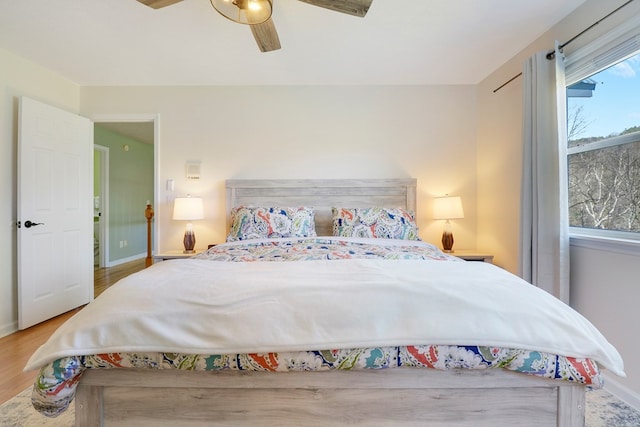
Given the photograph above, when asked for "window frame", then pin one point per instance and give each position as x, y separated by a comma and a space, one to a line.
614, 141
606, 242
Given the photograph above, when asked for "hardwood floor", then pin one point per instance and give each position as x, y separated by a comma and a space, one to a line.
15, 349
105, 277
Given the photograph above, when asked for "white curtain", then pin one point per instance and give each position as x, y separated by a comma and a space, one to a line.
544, 240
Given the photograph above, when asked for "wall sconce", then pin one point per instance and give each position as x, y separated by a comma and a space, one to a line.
448, 207
188, 209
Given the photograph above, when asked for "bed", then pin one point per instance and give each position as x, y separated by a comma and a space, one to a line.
313, 335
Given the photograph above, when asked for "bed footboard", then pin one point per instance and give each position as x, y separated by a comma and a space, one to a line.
372, 398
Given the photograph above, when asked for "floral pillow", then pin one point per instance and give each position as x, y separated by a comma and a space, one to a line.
375, 222
271, 222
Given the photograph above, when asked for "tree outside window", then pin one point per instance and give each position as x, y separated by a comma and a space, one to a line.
603, 122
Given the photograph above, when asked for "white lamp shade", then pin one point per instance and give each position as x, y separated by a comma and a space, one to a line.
188, 208
448, 208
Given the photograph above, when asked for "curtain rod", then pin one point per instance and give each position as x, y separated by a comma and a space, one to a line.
552, 53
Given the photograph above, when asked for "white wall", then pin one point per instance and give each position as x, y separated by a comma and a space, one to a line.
19, 77
305, 132
603, 285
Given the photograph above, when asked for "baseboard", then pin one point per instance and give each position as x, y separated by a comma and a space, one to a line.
613, 386
8, 329
125, 260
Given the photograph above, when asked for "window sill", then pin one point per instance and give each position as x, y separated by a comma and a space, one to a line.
608, 244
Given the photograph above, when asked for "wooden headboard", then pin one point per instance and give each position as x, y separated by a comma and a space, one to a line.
322, 195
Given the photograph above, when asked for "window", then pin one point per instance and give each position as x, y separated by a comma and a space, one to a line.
603, 123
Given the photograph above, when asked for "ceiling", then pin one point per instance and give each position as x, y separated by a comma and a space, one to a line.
122, 42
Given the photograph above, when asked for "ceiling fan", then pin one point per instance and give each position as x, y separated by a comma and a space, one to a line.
257, 14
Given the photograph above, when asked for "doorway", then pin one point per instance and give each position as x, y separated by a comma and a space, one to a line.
100, 205
124, 180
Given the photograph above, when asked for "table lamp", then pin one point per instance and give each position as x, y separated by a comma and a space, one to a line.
188, 209
448, 207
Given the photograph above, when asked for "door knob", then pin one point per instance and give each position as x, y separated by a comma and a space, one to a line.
29, 224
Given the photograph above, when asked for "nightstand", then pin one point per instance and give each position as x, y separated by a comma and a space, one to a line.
473, 256
163, 256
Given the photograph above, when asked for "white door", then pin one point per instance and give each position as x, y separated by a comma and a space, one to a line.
55, 212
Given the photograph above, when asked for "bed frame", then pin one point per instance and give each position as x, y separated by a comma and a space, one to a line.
390, 397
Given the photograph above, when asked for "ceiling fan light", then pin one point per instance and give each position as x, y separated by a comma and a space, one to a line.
249, 12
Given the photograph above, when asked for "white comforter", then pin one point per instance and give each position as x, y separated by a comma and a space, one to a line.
207, 307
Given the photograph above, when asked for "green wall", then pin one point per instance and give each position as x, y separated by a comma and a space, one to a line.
96, 172
130, 186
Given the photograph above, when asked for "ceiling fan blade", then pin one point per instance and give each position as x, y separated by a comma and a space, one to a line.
157, 4
351, 7
266, 36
